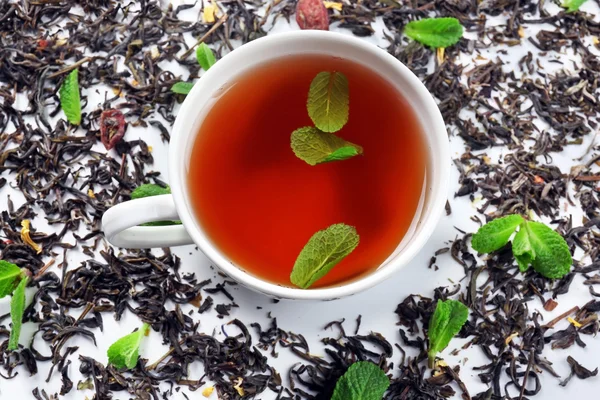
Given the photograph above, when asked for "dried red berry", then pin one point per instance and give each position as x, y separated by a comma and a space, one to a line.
312, 14
550, 305
112, 127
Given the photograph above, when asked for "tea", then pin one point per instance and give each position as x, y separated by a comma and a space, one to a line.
259, 203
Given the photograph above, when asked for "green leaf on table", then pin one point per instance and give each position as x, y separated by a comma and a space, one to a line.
315, 147
149, 190
69, 98
363, 381
182, 87
572, 5
329, 101
9, 277
124, 352
205, 56
323, 251
551, 254
17, 309
447, 320
435, 32
522, 249
495, 234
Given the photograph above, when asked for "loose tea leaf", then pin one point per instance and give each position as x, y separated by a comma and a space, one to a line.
312, 14
552, 257
495, 234
124, 352
182, 87
447, 320
316, 147
17, 308
205, 56
363, 381
572, 5
323, 251
435, 32
328, 101
9, 277
69, 98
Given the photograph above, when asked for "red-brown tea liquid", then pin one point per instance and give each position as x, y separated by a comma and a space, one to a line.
259, 203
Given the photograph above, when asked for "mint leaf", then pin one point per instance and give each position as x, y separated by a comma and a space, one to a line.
17, 308
363, 381
315, 147
435, 32
449, 316
323, 251
69, 98
205, 56
495, 234
125, 351
572, 5
552, 257
9, 277
328, 101
149, 190
182, 87
522, 249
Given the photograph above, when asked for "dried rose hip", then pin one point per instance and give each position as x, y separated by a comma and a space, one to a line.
312, 14
112, 127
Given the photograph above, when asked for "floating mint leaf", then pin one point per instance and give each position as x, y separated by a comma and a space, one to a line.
522, 249
9, 277
182, 87
435, 32
552, 257
363, 381
328, 101
125, 351
495, 234
205, 56
572, 5
447, 320
69, 98
323, 251
149, 189
17, 308
315, 147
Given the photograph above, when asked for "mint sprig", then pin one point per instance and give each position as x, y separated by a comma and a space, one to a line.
435, 32
363, 381
182, 87
9, 277
17, 309
149, 190
315, 147
328, 101
70, 101
124, 352
572, 5
447, 320
534, 244
205, 56
324, 250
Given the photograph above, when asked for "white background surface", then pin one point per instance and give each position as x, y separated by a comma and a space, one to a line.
376, 305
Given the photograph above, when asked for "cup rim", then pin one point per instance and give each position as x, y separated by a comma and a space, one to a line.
176, 165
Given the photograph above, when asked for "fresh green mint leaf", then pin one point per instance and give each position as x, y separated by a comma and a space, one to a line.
9, 277
125, 351
69, 98
205, 56
495, 234
328, 101
363, 381
435, 32
148, 190
447, 320
522, 249
17, 309
552, 257
315, 147
182, 87
572, 5
323, 251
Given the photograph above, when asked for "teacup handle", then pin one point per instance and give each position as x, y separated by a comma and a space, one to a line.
121, 224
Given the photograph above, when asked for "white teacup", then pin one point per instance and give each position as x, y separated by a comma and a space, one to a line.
121, 222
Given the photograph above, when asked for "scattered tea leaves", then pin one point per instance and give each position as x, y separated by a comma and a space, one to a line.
435, 32
205, 56
69, 98
182, 87
572, 5
328, 101
363, 381
9, 277
323, 251
17, 308
495, 234
445, 323
316, 147
124, 352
